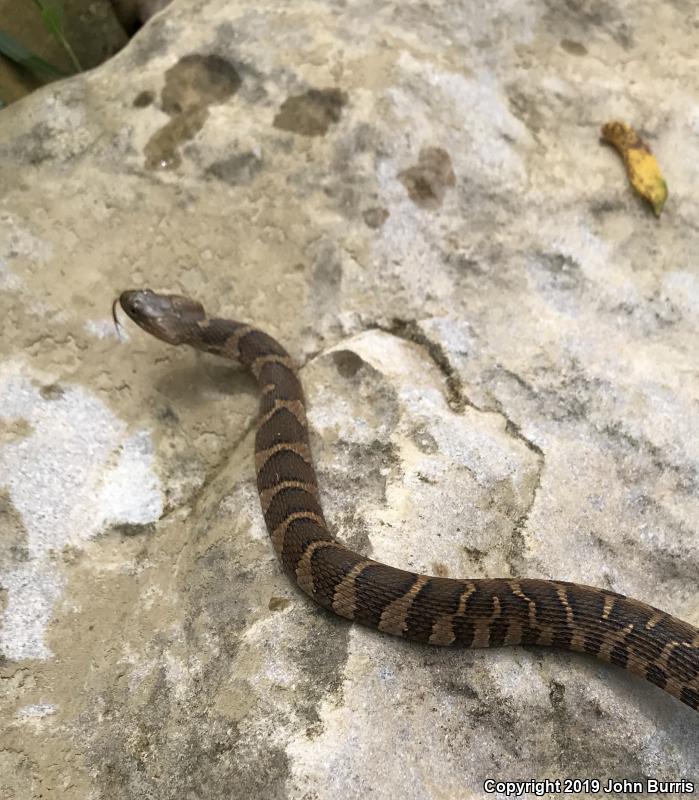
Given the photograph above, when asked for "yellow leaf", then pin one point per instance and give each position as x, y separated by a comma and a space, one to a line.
641, 166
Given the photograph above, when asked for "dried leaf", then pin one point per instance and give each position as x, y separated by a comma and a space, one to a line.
642, 168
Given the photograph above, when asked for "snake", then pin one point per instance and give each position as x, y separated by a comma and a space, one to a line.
480, 612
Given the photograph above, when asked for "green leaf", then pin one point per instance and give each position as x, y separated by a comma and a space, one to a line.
18, 53
52, 15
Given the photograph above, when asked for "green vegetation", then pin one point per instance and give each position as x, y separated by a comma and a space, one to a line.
52, 16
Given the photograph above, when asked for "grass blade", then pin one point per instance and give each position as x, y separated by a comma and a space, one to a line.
18, 53
52, 16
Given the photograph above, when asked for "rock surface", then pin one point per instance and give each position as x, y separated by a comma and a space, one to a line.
499, 350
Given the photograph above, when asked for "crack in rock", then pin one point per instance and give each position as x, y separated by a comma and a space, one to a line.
193, 500
458, 401
409, 330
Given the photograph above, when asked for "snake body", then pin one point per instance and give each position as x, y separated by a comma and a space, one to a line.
440, 611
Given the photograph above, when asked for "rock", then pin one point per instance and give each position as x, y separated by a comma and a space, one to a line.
498, 344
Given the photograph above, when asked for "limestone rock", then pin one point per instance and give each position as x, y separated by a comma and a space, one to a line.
498, 344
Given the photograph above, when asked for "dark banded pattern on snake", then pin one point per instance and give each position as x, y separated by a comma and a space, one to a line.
441, 611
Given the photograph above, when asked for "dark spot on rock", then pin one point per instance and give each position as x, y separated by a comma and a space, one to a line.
455, 686
143, 99
475, 554
347, 363
36, 145
314, 731
19, 553
429, 179
191, 86
563, 271
52, 391
574, 48
557, 693
440, 570
15, 428
326, 271
312, 113
167, 414
237, 169
639, 459
134, 528
424, 441
375, 217
464, 264
162, 150
13, 535
600, 208
278, 603
198, 80
526, 107
578, 18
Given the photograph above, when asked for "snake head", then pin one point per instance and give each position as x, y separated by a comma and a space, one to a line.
169, 317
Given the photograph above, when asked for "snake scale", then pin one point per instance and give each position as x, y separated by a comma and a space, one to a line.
442, 611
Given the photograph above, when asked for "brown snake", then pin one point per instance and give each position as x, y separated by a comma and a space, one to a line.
486, 612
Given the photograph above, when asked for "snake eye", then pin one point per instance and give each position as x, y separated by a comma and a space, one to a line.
135, 302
